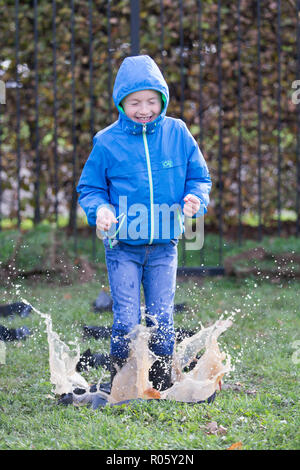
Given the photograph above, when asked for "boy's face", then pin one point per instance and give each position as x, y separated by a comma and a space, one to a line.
142, 106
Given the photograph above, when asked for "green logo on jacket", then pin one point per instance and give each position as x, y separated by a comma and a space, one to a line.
167, 164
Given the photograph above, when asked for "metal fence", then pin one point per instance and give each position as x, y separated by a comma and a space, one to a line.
233, 73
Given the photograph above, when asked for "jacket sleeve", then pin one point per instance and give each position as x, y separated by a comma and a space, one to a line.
198, 181
92, 185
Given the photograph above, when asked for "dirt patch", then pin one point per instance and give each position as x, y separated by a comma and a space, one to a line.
233, 231
55, 266
82, 271
258, 261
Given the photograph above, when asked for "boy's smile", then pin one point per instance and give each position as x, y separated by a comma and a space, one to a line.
142, 106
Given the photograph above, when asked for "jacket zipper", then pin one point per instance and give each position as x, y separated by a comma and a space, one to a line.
150, 183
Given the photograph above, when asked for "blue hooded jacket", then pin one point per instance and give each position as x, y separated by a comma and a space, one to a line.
143, 171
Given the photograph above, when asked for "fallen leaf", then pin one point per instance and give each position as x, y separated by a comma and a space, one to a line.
152, 393
235, 387
236, 446
213, 428
222, 430
50, 396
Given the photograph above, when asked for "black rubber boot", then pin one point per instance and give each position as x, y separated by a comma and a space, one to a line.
210, 399
160, 373
103, 303
87, 359
116, 363
13, 334
18, 308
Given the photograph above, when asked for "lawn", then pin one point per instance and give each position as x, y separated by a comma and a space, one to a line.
257, 407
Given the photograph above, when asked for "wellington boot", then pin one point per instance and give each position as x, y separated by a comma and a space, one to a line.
14, 334
103, 303
160, 373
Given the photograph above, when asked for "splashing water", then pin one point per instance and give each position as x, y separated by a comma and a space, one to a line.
202, 381
62, 360
197, 385
132, 380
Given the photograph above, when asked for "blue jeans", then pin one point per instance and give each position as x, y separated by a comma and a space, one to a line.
155, 267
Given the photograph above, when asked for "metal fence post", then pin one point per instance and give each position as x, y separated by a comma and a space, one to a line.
135, 26
18, 112
298, 128
37, 211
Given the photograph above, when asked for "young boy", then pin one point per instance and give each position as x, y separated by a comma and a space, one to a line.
145, 172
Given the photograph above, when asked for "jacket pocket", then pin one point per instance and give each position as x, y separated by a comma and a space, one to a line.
169, 183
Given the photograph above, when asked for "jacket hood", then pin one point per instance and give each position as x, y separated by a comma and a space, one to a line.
138, 73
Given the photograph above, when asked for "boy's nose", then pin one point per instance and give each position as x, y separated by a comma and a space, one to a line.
144, 108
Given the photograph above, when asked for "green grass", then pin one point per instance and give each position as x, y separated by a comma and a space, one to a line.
39, 241
258, 405
209, 255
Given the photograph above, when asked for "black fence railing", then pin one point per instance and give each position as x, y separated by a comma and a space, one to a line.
233, 70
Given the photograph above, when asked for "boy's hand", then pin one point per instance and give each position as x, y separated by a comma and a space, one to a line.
191, 206
105, 219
